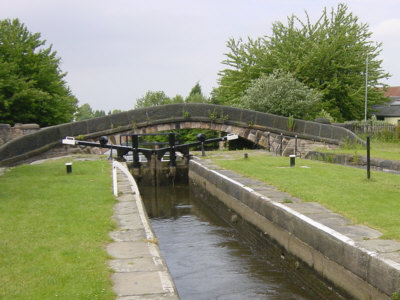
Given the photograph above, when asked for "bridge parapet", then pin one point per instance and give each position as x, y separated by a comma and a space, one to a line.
49, 137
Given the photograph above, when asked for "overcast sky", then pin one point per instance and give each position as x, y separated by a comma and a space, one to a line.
115, 51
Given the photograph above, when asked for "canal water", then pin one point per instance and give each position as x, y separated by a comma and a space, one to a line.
206, 257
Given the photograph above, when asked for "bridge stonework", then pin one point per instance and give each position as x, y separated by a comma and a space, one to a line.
255, 126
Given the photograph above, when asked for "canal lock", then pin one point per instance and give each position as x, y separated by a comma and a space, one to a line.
277, 274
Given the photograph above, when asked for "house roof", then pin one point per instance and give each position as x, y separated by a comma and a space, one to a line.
393, 91
389, 109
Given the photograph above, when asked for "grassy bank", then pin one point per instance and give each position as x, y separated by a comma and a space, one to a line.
379, 149
345, 190
53, 229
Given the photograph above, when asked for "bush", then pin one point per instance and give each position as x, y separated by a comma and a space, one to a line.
282, 94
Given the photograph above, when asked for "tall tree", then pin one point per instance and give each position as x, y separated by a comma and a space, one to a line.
329, 55
32, 85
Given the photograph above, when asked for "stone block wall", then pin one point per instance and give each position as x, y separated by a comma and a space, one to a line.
8, 133
250, 122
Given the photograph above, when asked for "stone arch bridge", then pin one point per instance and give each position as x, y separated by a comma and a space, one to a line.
260, 128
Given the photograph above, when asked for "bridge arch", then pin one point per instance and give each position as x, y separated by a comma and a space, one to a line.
251, 125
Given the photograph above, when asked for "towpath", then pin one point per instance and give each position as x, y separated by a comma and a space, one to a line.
139, 270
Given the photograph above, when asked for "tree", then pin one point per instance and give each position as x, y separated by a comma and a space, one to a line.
329, 56
114, 111
84, 112
32, 86
177, 99
152, 99
99, 113
195, 95
282, 94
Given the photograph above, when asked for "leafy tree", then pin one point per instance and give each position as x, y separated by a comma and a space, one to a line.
99, 113
114, 111
85, 112
159, 98
195, 90
152, 99
329, 56
195, 95
282, 94
177, 99
32, 86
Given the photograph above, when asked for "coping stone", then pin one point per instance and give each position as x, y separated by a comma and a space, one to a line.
130, 283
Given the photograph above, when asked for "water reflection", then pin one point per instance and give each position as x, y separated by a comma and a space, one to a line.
206, 257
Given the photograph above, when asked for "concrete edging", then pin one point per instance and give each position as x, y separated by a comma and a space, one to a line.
362, 273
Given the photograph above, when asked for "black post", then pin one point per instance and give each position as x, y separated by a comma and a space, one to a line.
281, 146
172, 154
295, 144
269, 142
292, 160
201, 138
135, 146
368, 158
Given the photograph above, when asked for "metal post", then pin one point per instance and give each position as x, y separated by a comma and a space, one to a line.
68, 167
203, 153
281, 145
115, 180
295, 144
366, 95
368, 158
201, 138
292, 160
268, 142
172, 155
135, 146
366, 90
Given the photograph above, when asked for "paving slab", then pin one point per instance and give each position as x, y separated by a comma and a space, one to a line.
393, 256
149, 297
127, 207
135, 265
127, 235
129, 249
358, 232
329, 219
382, 246
308, 208
137, 283
128, 221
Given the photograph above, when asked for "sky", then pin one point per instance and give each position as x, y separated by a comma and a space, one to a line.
115, 51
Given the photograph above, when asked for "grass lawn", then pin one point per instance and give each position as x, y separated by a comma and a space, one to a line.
345, 190
382, 150
53, 229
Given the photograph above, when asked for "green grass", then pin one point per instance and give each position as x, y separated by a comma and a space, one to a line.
345, 190
53, 230
381, 150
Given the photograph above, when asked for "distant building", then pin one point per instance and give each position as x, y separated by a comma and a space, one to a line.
390, 111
